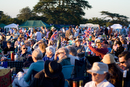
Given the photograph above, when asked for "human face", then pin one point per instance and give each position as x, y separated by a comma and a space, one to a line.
78, 43
49, 53
8, 45
123, 64
61, 54
24, 48
98, 77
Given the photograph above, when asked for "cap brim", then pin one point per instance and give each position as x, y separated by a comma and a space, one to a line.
94, 71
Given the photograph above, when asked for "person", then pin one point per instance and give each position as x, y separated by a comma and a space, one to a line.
72, 54
115, 72
80, 48
42, 47
99, 51
23, 54
38, 35
17, 42
63, 55
6, 51
50, 76
76, 31
24, 79
69, 32
99, 72
124, 60
50, 52
53, 29
119, 48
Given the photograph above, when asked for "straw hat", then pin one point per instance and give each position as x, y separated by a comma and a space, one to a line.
98, 67
108, 59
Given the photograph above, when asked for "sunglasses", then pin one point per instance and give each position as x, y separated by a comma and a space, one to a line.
61, 53
122, 62
24, 48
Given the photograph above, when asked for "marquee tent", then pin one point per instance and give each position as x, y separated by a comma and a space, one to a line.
34, 23
90, 25
13, 25
2, 25
116, 26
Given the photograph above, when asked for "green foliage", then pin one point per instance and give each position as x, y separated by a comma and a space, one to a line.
62, 11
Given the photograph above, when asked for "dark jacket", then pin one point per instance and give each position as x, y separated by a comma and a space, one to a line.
127, 79
64, 61
41, 81
49, 35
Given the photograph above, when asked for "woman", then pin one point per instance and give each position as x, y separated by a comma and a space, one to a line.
119, 48
115, 72
24, 79
63, 55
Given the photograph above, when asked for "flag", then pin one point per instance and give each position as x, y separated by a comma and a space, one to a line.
54, 35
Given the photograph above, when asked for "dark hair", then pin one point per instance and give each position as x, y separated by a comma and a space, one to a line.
125, 54
8, 42
115, 75
72, 50
118, 42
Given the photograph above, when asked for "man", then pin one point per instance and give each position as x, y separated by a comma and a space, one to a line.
72, 54
124, 59
99, 72
69, 32
23, 54
6, 51
79, 48
38, 35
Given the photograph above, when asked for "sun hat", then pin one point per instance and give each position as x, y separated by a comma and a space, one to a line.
53, 28
108, 59
52, 68
98, 67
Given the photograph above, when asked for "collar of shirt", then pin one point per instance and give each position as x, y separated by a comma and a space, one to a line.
100, 84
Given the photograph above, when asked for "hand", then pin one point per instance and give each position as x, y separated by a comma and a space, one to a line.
56, 55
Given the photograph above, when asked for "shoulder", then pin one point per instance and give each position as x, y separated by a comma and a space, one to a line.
39, 74
108, 84
88, 84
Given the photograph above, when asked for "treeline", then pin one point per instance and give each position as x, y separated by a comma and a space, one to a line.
62, 12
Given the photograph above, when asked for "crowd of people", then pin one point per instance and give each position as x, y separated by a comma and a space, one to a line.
45, 51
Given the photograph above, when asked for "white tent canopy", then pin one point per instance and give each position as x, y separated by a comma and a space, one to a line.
13, 25
90, 25
116, 26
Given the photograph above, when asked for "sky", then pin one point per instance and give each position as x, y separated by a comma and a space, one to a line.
122, 7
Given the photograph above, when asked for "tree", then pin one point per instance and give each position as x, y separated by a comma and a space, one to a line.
25, 14
62, 11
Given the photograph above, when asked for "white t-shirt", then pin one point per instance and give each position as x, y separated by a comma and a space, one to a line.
104, 83
38, 36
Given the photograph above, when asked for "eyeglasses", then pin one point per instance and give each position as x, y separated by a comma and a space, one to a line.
24, 48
